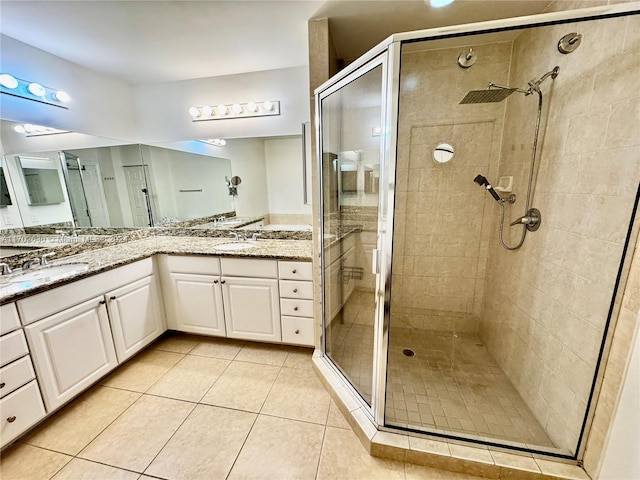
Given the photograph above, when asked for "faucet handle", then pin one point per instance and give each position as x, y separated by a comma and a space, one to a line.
5, 269
255, 236
45, 258
236, 236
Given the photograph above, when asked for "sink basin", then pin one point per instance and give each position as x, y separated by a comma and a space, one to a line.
232, 247
50, 272
30, 278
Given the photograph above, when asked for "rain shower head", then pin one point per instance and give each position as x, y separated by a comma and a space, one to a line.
487, 96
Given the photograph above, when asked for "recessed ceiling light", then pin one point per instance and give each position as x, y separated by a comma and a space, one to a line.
440, 3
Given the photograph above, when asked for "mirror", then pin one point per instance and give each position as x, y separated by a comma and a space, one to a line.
42, 180
107, 183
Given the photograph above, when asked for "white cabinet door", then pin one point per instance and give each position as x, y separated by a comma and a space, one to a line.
71, 350
136, 316
251, 308
196, 304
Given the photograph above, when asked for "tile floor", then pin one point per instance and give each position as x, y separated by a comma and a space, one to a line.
450, 384
204, 408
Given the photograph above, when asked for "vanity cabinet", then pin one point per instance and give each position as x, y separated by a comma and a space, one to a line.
339, 274
192, 294
71, 350
20, 404
79, 332
136, 316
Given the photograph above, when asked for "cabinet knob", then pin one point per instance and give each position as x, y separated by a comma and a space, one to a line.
223, 281
215, 281
295, 290
102, 302
11, 419
2, 385
297, 332
294, 271
295, 309
112, 297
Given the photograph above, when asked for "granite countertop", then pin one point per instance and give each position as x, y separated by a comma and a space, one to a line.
103, 259
230, 223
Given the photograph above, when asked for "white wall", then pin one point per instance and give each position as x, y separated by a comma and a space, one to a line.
248, 163
621, 459
163, 116
283, 158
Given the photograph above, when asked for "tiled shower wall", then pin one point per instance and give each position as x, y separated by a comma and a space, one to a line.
546, 304
443, 219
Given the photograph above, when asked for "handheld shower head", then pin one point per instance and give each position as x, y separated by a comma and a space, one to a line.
483, 182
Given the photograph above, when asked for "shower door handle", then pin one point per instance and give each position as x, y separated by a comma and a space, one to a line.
375, 253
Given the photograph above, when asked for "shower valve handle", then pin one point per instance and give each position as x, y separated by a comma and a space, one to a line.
530, 219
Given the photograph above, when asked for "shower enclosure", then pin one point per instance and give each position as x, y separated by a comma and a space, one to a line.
461, 314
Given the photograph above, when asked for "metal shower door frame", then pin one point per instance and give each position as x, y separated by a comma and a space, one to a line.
379, 350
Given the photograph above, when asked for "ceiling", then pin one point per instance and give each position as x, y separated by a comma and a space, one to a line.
162, 41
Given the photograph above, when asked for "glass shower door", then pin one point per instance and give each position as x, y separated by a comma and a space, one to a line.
350, 122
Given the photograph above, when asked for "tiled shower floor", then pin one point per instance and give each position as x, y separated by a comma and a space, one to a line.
450, 384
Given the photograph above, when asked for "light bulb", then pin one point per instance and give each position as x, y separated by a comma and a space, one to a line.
19, 129
28, 128
8, 81
207, 110
36, 89
440, 3
221, 109
237, 108
194, 112
222, 142
268, 106
252, 107
62, 96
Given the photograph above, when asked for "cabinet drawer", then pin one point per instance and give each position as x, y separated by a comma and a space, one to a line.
12, 346
248, 267
19, 411
15, 375
295, 270
297, 330
296, 289
296, 308
192, 264
8, 318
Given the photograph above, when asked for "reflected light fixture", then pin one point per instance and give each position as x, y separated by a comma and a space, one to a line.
216, 142
31, 130
28, 90
235, 110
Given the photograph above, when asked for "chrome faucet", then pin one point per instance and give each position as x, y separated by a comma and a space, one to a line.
45, 258
255, 236
5, 269
28, 263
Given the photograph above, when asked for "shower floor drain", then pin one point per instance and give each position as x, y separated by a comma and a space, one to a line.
407, 352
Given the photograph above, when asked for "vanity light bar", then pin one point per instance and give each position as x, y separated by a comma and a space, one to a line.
30, 130
235, 110
216, 142
32, 91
